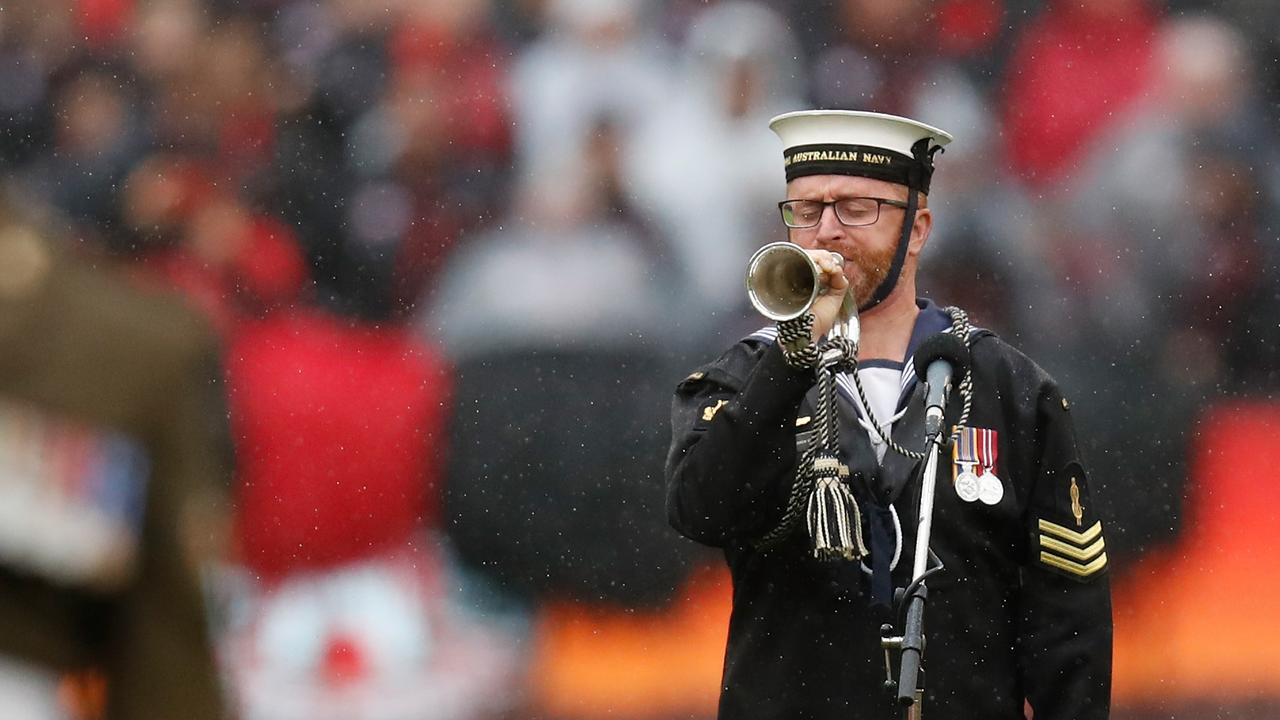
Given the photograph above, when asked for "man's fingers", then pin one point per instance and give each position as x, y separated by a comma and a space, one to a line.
825, 261
832, 270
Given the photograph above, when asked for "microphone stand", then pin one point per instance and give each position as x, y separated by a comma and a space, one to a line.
910, 645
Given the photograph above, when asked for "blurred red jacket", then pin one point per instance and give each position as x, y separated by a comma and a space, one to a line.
339, 435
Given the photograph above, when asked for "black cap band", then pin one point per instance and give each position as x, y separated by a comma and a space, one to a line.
863, 161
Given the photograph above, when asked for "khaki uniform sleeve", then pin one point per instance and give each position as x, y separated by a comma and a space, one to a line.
162, 656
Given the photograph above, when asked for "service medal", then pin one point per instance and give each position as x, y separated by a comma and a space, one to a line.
974, 452
990, 489
967, 486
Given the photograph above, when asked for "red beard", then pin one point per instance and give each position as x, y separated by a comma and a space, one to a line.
873, 268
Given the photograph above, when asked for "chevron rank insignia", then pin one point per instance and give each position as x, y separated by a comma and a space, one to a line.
1080, 555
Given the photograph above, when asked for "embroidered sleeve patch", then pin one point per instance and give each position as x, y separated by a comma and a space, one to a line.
1081, 555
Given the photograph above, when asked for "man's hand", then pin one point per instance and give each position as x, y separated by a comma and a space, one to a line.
826, 308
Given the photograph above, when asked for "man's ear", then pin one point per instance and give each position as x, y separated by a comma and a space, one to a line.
920, 231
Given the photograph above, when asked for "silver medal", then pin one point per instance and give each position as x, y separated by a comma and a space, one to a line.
967, 486
990, 489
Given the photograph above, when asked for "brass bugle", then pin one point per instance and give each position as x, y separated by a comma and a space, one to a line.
783, 282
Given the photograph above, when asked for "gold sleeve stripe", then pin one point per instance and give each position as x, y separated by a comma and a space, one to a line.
1071, 536
1074, 568
1071, 551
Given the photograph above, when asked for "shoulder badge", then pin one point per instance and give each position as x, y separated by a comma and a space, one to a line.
710, 411
1076, 508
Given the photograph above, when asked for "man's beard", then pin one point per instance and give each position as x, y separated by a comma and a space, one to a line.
873, 268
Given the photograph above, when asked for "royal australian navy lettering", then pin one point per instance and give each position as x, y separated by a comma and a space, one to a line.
838, 156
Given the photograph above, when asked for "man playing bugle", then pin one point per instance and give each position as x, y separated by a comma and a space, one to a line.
812, 487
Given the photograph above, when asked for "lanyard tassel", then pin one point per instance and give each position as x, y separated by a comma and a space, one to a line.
835, 522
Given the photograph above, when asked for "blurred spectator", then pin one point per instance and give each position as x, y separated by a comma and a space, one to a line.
702, 163
1062, 88
99, 133
1154, 248
552, 320
41, 47
346, 593
163, 34
236, 77
595, 58
190, 234
980, 253
1149, 198
396, 143
573, 273
874, 56
336, 69
115, 474
339, 431
454, 130
1258, 21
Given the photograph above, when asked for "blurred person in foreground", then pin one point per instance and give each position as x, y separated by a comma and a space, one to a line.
1021, 614
113, 475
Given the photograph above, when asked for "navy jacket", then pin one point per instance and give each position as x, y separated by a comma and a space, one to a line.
1021, 612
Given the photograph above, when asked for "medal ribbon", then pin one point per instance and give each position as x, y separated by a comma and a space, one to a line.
965, 452
986, 449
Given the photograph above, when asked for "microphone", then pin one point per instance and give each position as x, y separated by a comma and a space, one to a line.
941, 360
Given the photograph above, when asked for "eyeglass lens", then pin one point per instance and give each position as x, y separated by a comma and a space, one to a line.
850, 211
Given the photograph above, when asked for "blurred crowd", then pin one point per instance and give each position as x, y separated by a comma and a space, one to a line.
459, 251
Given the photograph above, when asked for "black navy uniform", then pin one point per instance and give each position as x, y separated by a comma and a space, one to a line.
1022, 609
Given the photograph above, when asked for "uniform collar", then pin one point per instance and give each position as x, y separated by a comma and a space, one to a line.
929, 321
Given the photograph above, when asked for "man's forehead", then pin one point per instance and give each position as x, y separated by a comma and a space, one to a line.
844, 185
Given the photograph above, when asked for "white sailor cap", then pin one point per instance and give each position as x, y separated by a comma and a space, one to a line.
867, 144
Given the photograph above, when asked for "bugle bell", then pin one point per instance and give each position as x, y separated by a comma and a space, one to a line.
783, 282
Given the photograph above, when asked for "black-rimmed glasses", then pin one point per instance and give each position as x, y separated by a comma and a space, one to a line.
852, 212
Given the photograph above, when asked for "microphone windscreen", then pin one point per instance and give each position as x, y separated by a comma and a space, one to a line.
943, 346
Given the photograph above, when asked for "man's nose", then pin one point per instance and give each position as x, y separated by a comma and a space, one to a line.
829, 226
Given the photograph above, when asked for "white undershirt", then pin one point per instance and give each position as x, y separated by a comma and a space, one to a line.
882, 386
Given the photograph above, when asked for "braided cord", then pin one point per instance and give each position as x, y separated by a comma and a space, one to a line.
826, 421
961, 327
795, 337
824, 435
